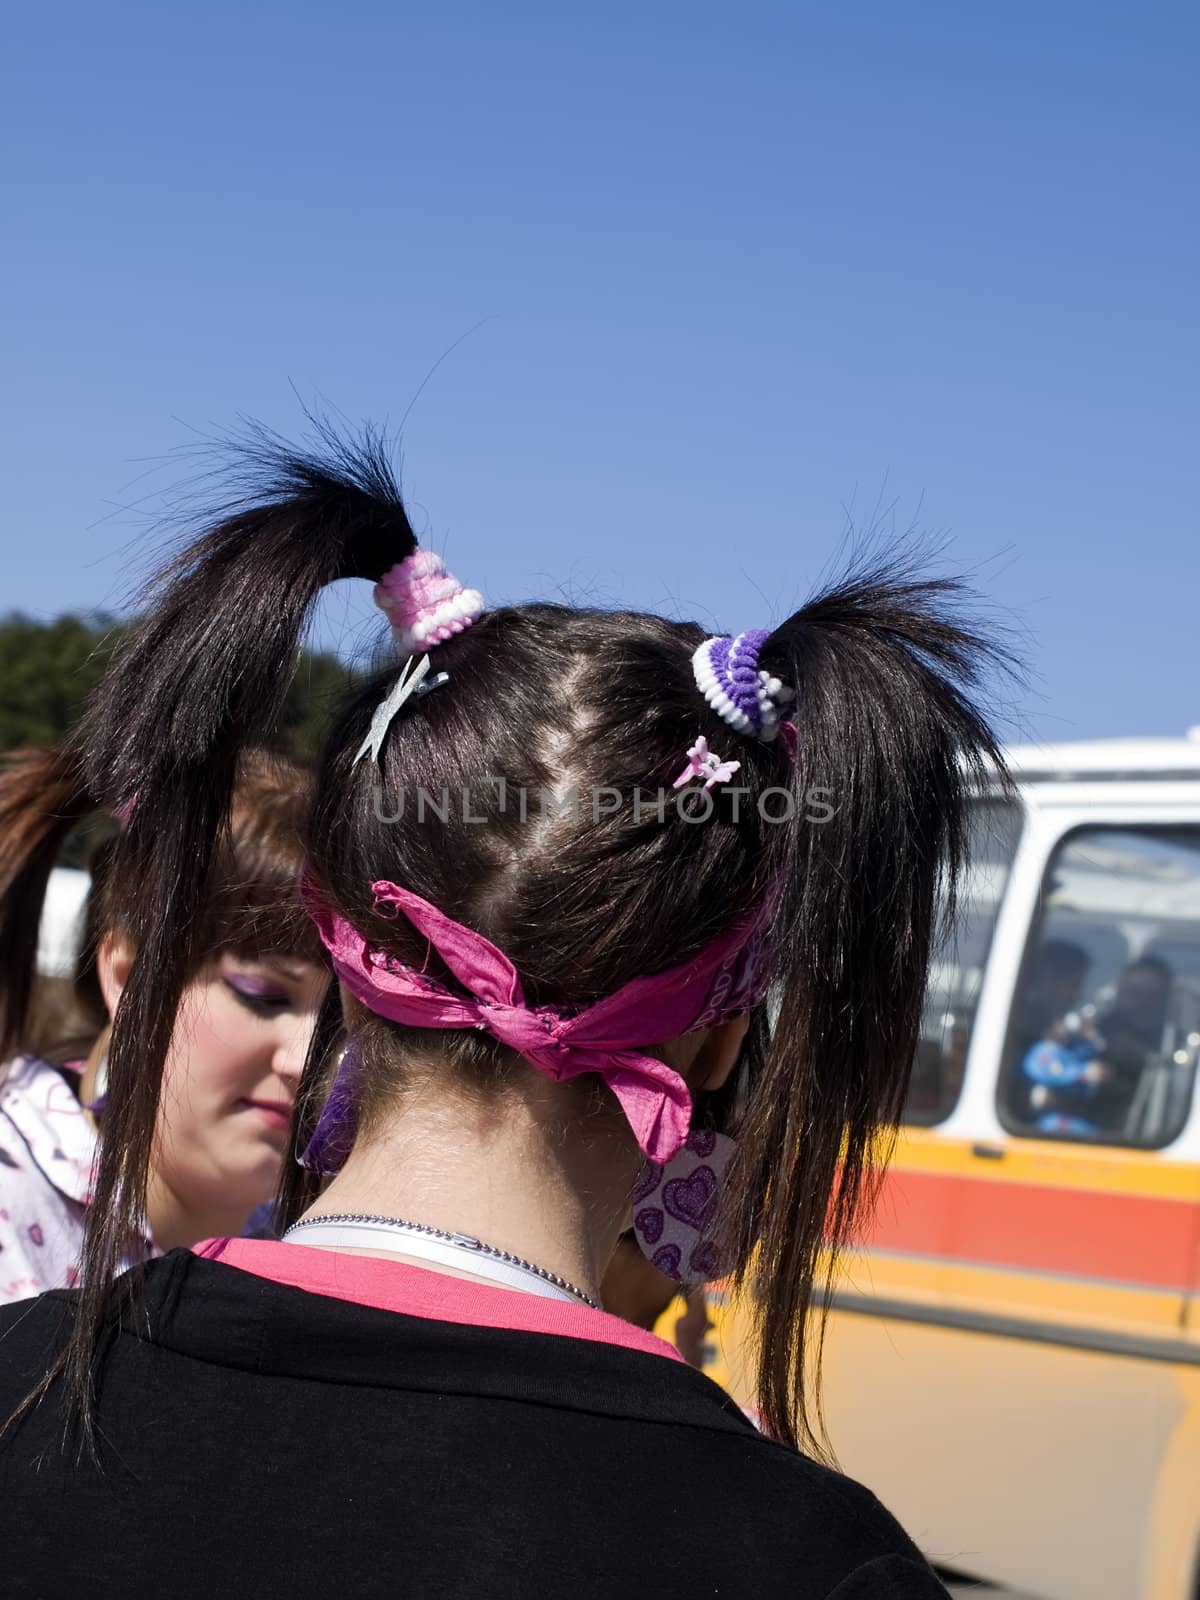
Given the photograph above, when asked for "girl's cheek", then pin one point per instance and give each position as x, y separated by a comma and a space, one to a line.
221, 1043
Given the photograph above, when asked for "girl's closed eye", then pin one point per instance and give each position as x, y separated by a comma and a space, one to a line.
260, 995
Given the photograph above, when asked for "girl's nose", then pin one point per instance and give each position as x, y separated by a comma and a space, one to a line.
291, 1053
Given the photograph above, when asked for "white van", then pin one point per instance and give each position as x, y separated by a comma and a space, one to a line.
1013, 1362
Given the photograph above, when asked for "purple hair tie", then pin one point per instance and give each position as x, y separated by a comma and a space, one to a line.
742, 694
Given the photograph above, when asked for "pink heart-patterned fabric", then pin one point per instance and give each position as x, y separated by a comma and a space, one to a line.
675, 1207
649, 1221
667, 1260
691, 1200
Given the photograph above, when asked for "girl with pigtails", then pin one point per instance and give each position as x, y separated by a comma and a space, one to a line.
555, 1028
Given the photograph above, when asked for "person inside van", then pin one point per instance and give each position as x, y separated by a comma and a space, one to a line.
1131, 1032
1050, 994
1054, 989
1085, 1074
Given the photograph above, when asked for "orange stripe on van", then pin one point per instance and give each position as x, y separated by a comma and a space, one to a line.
1054, 1164
1131, 1239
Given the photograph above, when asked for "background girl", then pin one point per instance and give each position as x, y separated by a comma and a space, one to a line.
245, 1017
415, 1390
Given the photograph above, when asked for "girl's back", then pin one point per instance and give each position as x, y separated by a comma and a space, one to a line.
265, 1439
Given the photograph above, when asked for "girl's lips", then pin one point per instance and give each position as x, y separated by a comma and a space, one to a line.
276, 1114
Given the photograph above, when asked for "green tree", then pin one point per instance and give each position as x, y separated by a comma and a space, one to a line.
48, 669
320, 685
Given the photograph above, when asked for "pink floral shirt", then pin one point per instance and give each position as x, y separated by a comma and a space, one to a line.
48, 1154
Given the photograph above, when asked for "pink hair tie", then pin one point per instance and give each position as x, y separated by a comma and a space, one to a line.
424, 603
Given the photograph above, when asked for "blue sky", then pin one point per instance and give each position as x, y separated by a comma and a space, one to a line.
705, 280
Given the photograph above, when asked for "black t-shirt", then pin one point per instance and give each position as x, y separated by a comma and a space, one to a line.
257, 1440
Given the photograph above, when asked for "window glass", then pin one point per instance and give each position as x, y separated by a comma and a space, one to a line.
1105, 1026
956, 971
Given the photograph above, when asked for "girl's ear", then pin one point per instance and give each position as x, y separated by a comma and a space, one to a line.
353, 1009
707, 1057
719, 1053
114, 960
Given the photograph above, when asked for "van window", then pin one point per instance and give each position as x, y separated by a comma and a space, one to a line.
1105, 1027
956, 970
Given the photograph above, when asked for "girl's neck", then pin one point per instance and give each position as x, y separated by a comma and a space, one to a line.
508, 1171
91, 1072
174, 1224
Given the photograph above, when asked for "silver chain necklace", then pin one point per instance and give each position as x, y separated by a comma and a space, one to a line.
465, 1242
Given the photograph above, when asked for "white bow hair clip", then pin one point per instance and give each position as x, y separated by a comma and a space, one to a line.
410, 685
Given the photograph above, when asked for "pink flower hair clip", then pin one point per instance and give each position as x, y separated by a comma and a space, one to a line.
702, 763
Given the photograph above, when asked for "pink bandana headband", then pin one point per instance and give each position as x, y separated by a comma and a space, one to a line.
607, 1038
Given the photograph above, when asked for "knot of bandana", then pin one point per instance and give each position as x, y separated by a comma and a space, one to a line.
607, 1038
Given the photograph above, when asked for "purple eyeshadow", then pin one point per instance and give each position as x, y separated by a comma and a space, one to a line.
254, 988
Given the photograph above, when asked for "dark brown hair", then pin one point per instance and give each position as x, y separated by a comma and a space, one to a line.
562, 700
250, 904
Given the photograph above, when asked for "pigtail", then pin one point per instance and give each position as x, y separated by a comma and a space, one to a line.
43, 797
888, 748
203, 675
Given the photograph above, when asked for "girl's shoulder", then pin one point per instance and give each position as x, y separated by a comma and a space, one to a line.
41, 1112
47, 1161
